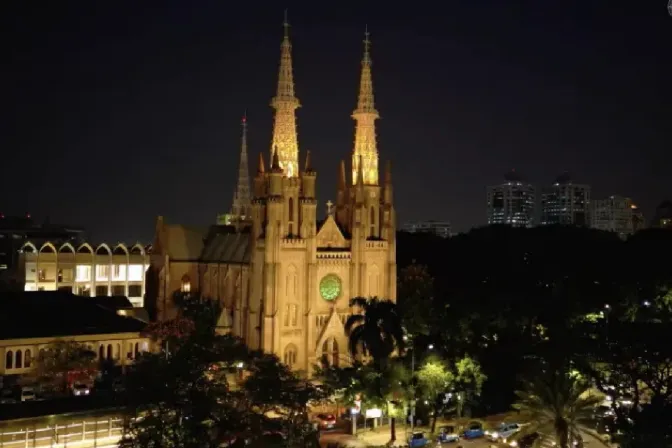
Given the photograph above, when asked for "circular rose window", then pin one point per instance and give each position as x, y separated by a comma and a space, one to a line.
330, 287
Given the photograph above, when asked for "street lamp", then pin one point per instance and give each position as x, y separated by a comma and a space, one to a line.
430, 347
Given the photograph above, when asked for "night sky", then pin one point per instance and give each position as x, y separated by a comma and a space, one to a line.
122, 112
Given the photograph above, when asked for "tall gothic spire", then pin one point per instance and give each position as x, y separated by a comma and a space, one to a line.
240, 208
285, 104
365, 130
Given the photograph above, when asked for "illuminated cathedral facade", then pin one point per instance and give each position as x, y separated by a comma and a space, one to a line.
284, 276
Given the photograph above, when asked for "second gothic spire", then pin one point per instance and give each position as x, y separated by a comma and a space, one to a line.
365, 150
285, 103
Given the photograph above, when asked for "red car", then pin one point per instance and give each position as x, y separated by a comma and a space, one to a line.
325, 421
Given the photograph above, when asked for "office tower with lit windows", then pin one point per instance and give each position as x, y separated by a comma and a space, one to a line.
615, 214
566, 203
512, 202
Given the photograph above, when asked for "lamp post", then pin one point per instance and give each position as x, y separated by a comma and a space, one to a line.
607, 308
412, 349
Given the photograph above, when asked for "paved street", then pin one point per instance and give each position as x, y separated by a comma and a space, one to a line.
381, 436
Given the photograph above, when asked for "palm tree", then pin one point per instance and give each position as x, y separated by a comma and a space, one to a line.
559, 405
377, 332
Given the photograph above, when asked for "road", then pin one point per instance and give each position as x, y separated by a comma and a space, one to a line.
382, 436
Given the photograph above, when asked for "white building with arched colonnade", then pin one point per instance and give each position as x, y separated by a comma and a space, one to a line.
87, 270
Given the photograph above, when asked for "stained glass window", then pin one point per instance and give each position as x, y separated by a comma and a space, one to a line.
330, 287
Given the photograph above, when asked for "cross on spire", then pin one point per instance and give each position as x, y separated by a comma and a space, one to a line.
367, 44
330, 207
285, 24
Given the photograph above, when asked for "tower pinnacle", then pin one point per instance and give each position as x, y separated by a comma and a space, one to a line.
285, 104
365, 130
240, 209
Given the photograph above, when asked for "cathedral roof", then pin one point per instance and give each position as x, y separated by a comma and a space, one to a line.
184, 243
224, 244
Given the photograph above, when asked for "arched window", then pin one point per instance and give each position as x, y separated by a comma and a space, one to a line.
9, 360
101, 352
372, 222
137, 349
330, 351
27, 359
117, 352
186, 284
290, 355
19, 359
109, 351
290, 223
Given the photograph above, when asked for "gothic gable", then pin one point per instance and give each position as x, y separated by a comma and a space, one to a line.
330, 236
333, 328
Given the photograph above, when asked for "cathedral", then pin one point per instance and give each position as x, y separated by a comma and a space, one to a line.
283, 276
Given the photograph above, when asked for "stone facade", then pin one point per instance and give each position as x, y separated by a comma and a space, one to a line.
284, 277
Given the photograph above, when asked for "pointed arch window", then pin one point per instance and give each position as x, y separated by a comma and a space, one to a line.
185, 286
330, 352
9, 360
290, 219
27, 359
372, 222
19, 359
289, 356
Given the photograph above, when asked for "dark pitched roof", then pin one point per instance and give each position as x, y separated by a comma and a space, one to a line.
226, 245
55, 314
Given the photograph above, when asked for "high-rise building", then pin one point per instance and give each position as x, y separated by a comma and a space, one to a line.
663, 217
285, 280
566, 203
512, 202
438, 228
615, 214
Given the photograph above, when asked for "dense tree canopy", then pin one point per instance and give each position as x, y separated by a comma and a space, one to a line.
513, 299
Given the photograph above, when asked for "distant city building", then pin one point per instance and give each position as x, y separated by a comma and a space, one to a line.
16, 230
512, 202
616, 214
438, 228
86, 270
663, 216
565, 203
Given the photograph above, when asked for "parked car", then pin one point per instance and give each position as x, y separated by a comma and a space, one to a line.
417, 440
27, 394
80, 390
504, 431
474, 431
526, 441
447, 434
325, 421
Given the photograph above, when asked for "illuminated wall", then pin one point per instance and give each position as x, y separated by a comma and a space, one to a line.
87, 270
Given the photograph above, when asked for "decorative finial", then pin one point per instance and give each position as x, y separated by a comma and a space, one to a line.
285, 24
330, 208
260, 167
367, 44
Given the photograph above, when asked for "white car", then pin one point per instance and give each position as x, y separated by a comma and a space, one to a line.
80, 390
27, 394
504, 431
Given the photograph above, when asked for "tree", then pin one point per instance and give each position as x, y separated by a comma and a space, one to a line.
377, 332
191, 397
435, 379
558, 406
63, 361
415, 290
